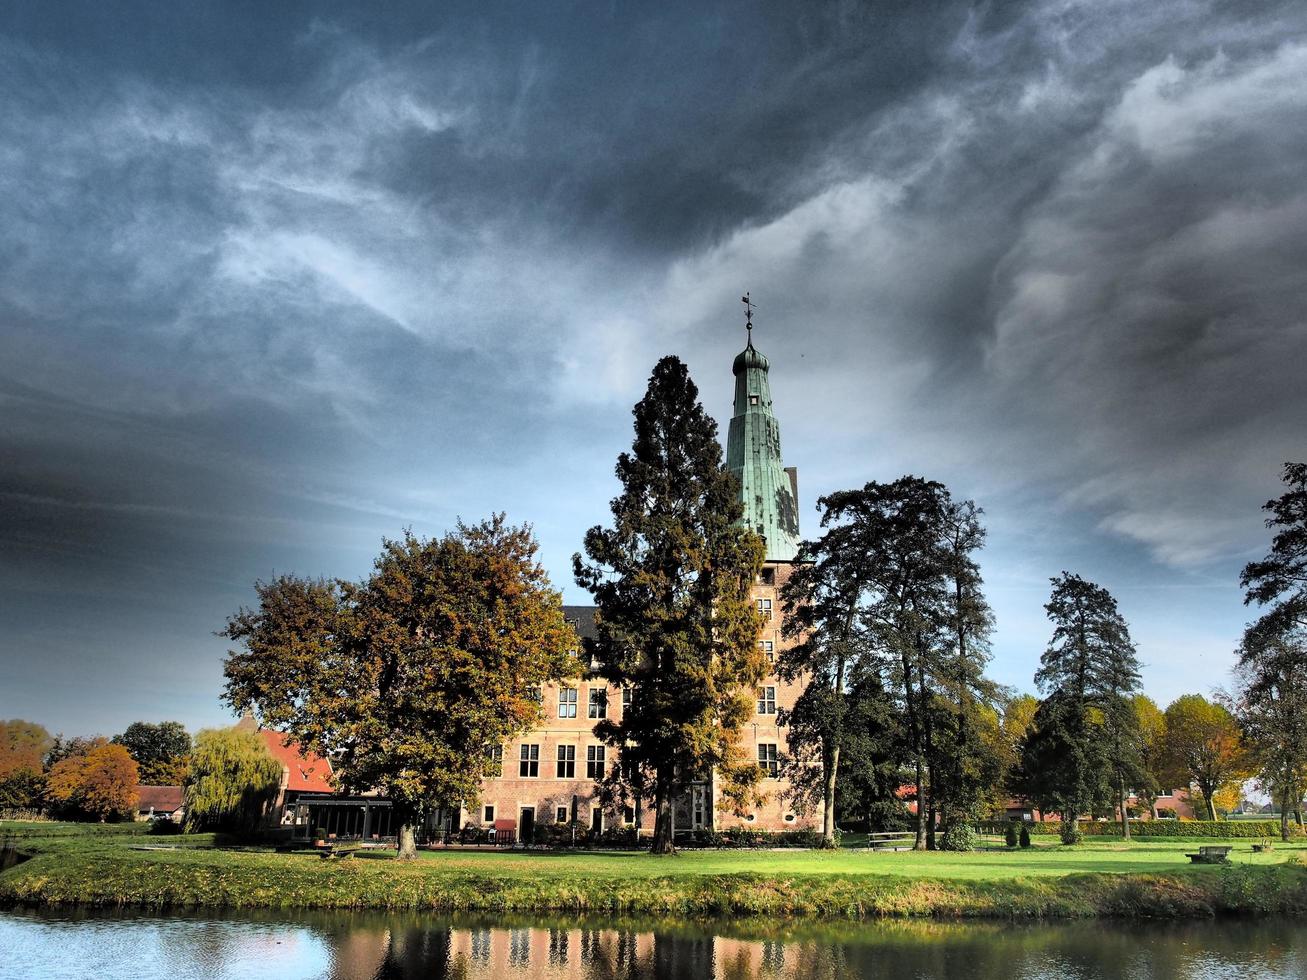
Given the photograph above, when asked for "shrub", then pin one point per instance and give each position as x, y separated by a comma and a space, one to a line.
1010, 835
164, 826
959, 837
1071, 833
1024, 838
1250, 829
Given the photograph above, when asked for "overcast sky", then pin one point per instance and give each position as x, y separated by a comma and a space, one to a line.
279, 279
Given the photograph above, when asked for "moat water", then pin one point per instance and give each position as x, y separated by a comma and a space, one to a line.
285, 946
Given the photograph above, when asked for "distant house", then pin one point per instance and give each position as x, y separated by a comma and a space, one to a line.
160, 802
1173, 803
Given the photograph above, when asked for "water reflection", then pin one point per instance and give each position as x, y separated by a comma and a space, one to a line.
375, 947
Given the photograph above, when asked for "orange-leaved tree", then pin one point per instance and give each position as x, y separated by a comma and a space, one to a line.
99, 783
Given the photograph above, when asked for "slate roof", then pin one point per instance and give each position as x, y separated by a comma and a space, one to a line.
583, 618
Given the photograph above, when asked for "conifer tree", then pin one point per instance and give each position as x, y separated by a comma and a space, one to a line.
1271, 698
1280, 579
1270, 702
675, 624
1091, 664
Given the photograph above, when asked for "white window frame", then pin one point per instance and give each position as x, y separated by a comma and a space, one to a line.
567, 702
767, 700
597, 708
769, 759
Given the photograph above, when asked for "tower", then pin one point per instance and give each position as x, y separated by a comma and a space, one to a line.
753, 453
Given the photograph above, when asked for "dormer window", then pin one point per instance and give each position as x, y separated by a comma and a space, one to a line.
753, 399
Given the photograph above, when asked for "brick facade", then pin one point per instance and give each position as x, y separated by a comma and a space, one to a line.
544, 771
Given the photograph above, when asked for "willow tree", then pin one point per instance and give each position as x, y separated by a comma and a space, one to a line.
232, 782
675, 625
405, 679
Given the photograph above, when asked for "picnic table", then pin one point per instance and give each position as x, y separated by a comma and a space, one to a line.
1211, 854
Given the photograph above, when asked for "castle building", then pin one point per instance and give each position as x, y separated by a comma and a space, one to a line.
550, 775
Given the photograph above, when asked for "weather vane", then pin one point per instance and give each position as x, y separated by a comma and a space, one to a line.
749, 307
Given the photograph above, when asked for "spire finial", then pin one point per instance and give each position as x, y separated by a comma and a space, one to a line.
748, 317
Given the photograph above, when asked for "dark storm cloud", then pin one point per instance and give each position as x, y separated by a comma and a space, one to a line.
276, 281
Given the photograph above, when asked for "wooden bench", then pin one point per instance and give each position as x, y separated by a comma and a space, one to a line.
338, 849
1210, 854
891, 841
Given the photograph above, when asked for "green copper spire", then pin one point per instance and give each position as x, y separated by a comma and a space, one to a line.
753, 453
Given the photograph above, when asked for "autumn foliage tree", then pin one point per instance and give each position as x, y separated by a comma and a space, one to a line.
671, 579
406, 679
99, 783
1202, 746
23, 746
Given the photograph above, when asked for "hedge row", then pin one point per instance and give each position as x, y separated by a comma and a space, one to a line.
1167, 828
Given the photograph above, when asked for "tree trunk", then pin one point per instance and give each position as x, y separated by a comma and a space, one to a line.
664, 841
1211, 805
920, 843
1284, 818
408, 847
1125, 816
828, 797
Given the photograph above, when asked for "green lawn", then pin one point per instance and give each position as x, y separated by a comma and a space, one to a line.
99, 865
1044, 858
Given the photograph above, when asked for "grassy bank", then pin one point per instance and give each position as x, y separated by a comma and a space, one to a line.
79, 865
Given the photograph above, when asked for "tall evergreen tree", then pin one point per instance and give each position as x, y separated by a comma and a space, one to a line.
675, 625
1090, 661
823, 604
966, 764
1270, 702
893, 589
1280, 579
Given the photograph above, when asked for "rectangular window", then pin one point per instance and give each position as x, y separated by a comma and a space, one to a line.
598, 707
594, 761
566, 762
495, 755
567, 702
488, 813
597, 820
764, 607
528, 766
768, 761
767, 576
766, 700
536, 693
628, 815
561, 814
768, 650
626, 699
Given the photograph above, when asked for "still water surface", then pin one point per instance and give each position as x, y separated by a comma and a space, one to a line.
36, 946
